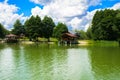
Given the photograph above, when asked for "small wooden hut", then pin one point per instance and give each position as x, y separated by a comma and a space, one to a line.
69, 38
11, 38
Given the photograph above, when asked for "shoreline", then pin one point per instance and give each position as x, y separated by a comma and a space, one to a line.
80, 43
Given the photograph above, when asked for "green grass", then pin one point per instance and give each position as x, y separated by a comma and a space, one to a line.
40, 39
84, 42
100, 43
51, 39
106, 43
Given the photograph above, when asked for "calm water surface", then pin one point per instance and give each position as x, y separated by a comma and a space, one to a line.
53, 62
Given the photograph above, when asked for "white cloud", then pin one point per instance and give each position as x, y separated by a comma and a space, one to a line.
87, 19
37, 10
75, 22
72, 12
84, 22
5, 1
116, 6
8, 14
43, 2
94, 2
90, 15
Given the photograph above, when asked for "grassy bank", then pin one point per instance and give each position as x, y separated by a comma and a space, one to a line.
81, 42
98, 43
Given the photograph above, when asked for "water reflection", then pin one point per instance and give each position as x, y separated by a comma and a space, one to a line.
79, 65
51, 62
6, 63
46, 63
105, 63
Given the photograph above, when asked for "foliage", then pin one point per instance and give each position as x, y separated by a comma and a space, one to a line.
18, 28
48, 26
89, 33
106, 25
3, 31
81, 34
39, 26
29, 26
59, 29
33, 27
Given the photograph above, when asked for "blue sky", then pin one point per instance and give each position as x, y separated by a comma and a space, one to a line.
104, 4
24, 5
77, 14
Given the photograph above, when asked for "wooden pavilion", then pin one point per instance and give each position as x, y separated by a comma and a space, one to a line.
69, 38
11, 38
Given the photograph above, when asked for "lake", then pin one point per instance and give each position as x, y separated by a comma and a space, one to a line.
53, 62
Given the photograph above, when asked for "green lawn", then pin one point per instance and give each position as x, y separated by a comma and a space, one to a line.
98, 43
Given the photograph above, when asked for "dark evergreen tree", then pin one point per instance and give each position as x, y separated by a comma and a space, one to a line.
48, 26
105, 25
59, 30
18, 28
3, 31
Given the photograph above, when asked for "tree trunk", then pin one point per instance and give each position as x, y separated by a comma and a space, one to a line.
48, 39
36, 39
30, 39
119, 43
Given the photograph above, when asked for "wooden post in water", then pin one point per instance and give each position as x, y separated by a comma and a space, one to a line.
59, 43
70, 43
65, 43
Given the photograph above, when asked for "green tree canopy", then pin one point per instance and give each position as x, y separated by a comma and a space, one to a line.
59, 29
48, 26
89, 33
33, 27
81, 34
105, 25
18, 28
39, 26
3, 31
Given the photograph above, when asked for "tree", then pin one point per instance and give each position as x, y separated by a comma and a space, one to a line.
33, 27
48, 26
105, 25
18, 28
3, 31
95, 24
39, 26
29, 27
89, 33
59, 30
82, 34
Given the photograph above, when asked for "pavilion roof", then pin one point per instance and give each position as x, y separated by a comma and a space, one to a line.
11, 35
69, 35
